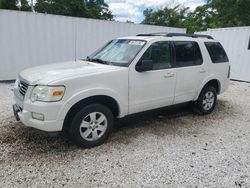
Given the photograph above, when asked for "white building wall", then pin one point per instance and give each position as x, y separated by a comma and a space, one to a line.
236, 41
29, 39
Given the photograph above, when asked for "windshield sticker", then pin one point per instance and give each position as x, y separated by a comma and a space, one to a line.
136, 42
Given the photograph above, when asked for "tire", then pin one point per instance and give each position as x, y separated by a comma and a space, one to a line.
206, 102
91, 126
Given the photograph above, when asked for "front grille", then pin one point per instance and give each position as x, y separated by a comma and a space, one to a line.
22, 87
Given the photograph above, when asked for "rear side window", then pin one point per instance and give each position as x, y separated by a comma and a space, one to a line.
187, 53
216, 52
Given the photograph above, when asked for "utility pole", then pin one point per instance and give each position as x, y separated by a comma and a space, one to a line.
32, 6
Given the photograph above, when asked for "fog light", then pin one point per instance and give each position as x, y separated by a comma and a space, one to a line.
38, 116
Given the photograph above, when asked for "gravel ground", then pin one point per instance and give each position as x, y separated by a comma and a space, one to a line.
166, 148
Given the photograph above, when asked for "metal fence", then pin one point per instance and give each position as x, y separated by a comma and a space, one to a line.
236, 41
29, 39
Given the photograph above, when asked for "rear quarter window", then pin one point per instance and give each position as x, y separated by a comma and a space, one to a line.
216, 52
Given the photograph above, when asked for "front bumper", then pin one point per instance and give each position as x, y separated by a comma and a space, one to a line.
53, 112
26, 118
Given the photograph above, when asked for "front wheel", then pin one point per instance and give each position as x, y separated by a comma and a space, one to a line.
206, 101
91, 126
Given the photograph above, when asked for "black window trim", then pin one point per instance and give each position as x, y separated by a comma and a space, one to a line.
174, 53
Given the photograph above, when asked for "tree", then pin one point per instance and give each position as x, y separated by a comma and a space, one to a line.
232, 12
9, 4
13, 5
201, 18
61, 7
97, 9
172, 17
25, 6
214, 14
219, 13
129, 21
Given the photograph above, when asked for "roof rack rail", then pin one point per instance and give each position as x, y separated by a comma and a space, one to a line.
176, 35
153, 34
188, 35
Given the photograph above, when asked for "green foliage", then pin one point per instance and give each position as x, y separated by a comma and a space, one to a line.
9, 4
25, 6
214, 14
172, 17
61, 7
97, 9
202, 18
232, 12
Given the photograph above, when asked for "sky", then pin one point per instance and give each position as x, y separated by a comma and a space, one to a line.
132, 10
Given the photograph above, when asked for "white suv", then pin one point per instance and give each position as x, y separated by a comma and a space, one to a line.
126, 76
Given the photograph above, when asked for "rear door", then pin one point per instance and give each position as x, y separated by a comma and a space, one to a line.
188, 63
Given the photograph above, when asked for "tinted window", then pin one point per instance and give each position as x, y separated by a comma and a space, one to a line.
187, 54
160, 54
216, 52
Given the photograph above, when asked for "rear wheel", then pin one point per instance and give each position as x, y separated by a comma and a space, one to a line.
91, 126
206, 101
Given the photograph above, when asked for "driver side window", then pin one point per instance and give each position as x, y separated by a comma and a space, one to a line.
160, 54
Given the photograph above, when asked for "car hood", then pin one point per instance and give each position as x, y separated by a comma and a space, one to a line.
55, 72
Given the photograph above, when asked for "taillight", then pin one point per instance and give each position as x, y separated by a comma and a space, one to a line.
229, 69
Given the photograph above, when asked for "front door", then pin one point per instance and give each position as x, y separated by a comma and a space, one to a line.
155, 88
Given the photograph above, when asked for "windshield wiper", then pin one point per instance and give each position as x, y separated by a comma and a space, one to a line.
98, 60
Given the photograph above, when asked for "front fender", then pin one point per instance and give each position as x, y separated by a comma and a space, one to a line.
121, 101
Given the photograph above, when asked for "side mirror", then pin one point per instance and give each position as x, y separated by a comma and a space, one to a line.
145, 65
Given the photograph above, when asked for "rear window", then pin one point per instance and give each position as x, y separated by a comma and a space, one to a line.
216, 52
187, 53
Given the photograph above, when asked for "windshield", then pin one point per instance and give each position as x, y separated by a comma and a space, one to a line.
118, 52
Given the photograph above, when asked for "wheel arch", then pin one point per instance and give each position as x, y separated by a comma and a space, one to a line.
215, 82
106, 100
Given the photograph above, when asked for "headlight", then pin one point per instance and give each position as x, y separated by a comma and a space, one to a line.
47, 93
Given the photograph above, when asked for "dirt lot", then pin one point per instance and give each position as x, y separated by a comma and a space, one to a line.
166, 148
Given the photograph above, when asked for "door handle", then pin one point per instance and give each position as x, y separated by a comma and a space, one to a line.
169, 75
202, 70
